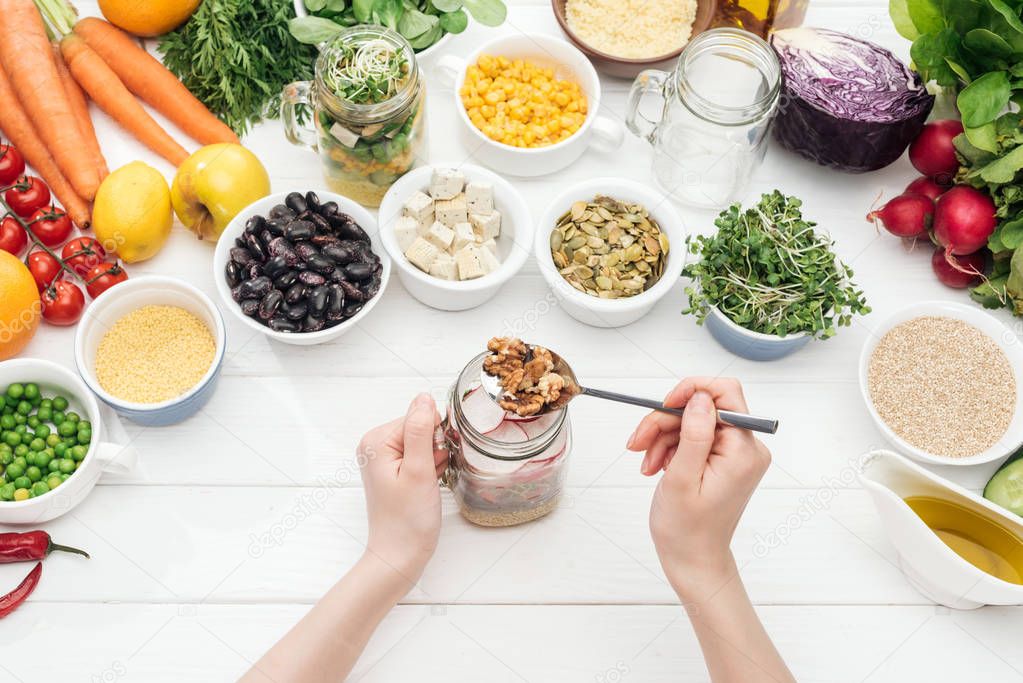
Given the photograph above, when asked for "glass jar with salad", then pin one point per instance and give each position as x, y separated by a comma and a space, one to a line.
368, 109
503, 469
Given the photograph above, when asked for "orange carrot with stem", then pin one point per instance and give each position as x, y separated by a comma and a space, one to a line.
152, 82
27, 59
81, 108
107, 91
15, 124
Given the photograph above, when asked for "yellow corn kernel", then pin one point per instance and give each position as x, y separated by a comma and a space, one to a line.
487, 111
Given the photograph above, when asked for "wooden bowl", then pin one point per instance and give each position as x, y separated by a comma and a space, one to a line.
623, 67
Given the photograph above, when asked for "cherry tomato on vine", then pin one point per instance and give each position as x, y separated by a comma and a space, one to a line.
44, 268
12, 164
63, 303
82, 253
28, 195
12, 236
102, 277
51, 225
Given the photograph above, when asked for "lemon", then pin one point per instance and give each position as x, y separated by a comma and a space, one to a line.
132, 214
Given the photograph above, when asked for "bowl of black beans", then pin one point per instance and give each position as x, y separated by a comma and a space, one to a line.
301, 268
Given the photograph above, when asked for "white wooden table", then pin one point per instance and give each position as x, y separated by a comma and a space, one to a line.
237, 520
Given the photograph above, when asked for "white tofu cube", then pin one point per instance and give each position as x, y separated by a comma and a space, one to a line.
446, 183
470, 263
440, 236
463, 236
488, 260
451, 211
422, 254
479, 197
486, 225
491, 246
420, 207
346, 137
406, 229
444, 268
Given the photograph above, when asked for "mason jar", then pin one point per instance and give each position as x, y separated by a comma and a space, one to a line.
718, 104
502, 469
364, 147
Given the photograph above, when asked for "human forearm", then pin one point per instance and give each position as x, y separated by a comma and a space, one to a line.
327, 642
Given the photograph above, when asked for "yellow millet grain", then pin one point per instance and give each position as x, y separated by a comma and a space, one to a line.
634, 29
154, 354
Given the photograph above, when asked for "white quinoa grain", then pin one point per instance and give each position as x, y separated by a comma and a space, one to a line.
943, 386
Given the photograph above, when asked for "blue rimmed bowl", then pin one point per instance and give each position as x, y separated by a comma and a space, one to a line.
128, 296
748, 344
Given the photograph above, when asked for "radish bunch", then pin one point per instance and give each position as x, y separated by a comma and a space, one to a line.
959, 219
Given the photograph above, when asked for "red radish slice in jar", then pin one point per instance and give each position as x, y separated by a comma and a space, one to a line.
481, 412
486, 465
964, 219
541, 424
958, 272
933, 154
907, 216
927, 187
508, 432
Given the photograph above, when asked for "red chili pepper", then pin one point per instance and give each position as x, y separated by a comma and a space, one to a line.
11, 601
32, 545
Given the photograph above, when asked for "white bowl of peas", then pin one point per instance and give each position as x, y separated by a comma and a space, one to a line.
52, 450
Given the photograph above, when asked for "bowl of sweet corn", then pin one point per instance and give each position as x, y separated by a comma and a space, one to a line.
528, 104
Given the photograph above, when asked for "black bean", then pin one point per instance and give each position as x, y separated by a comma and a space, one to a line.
352, 309
282, 324
240, 241
285, 280
358, 271
266, 237
305, 250
250, 306
320, 264
253, 270
322, 226
335, 302
275, 266
324, 240
233, 274
310, 278
295, 293
339, 254
347, 229
312, 324
236, 293
295, 311
328, 209
352, 293
338, 275
312, 200
254, 225
256, 288
241, 255
281, 212
256, 247
278, 245
296, 202
299, 230
275, 227
373, 287
318, 300
270, 303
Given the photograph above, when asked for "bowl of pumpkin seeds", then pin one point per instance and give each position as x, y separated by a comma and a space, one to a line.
609, 249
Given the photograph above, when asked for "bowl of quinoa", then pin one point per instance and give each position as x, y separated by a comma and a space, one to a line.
152, 348
940, 380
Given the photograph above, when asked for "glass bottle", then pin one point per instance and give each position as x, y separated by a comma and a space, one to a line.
760, 16
364, 148
718, 104
502, 469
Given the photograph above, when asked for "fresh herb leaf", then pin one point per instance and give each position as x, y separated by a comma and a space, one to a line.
313, 30
427, 39
454, 22
414, 23
447, 5
487, 12
899, 12
363, 9
984, 99
388, 13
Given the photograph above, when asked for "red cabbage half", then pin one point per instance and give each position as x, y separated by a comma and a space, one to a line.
846, 103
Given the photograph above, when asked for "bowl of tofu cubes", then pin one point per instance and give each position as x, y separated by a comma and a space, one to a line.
455, 234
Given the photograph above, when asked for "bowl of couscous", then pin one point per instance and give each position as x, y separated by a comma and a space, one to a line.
151, 348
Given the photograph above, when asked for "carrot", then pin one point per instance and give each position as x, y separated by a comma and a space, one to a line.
27, 59
15, 124
81, 108
107, 90
151, 81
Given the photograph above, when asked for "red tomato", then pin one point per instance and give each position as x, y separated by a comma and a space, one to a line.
12, 164
28, 195
44, 268
63, 303
51, 225
102, 277
12, 236
82, 253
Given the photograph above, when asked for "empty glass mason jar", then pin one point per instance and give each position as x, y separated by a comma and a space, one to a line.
502, 469
718, 106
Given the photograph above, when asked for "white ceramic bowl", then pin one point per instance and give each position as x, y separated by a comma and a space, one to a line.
261, 207
986, 323
300, 11
101, 457
568, 63
131, 295
611, 312
749, 344
514, 243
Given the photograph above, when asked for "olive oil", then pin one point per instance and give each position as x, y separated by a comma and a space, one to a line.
760, 16
981, 541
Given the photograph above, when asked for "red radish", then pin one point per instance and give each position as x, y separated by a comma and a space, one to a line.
508, 432
964, 218
933, 154
908, 215
481, 412
541, 424
958, 272
927, 187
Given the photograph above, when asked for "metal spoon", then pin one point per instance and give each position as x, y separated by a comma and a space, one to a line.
492, 386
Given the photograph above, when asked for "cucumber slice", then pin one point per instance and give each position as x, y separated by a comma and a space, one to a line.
1006, 487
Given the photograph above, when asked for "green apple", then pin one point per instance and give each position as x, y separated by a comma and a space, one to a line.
213, 185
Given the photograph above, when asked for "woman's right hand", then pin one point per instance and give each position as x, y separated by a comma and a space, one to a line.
710, 472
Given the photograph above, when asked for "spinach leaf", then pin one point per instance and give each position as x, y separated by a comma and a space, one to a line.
984, 99
899, 11
1010, 15
363, 9
1002, 170
445, 6
929, 53
414, 23
487, 12
926, 15
315, 5
313, 30
388, 13
454, 22
429, 38
987, 43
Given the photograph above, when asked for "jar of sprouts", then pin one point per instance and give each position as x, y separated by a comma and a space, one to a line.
368, 112
503, 468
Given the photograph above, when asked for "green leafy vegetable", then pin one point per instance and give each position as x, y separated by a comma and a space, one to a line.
769, 271
454, 22
984, 99
313, 30
366, 73
236, 56
487, 12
